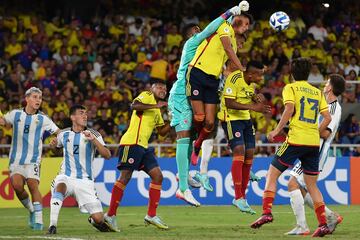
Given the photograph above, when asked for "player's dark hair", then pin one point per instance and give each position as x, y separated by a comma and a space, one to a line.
249, 16
157, 81
187, 29
338, 84
242, 35
76, 107
300, 68
254, 64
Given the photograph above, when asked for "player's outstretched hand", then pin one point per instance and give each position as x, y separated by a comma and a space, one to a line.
272, 135
244, 6
235, 10
262, 108
161, 104
53, 142
89, 136
260, 98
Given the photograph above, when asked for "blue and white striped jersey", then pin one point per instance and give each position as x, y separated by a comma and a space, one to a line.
335, 112
27, 137
78, 153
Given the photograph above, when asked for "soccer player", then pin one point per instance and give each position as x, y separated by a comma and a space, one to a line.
208, 144
179, 106
29, 125
75, 178
134, 152
303, 102
206, 68
238, 98
334, 87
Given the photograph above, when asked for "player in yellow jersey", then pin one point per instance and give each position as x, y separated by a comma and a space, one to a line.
135, 155
203, 75
237, 99
303, 103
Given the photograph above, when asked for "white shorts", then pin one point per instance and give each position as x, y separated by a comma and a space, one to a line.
297, 172
26, 170
83, 190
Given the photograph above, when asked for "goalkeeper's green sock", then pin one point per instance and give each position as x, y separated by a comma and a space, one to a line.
182, 161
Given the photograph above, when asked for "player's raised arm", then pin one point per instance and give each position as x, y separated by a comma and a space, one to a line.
100, 147
163, 130
139, 106
7, 119
230, 53
215, 24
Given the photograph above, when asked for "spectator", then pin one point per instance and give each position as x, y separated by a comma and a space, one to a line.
352, 66
350, 131
315, 76
136, 27
318, 31
159, 68
173, 38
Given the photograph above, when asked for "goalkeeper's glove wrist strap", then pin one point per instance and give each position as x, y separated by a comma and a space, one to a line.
226, 14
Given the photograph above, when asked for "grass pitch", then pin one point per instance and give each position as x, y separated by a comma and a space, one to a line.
206, 222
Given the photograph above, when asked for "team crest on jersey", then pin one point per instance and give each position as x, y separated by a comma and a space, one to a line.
131, 160
237, 134
228, 90
226, 30
196, 92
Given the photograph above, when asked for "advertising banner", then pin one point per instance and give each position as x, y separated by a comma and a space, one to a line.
336, 183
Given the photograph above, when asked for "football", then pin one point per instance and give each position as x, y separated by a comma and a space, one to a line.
279, 21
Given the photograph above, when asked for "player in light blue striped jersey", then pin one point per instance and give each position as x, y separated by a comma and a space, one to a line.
75, 177
29, 125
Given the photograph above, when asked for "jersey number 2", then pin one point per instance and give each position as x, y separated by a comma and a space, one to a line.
76, 149
314, 107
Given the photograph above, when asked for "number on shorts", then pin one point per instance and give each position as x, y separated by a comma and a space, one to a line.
36, 170
26, 128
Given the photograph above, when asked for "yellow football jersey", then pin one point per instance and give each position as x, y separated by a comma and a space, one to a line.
309, 102
236, 88
142, 123
210, 56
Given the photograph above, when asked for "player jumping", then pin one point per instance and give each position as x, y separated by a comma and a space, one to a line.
303, 102
29, 125
206, 68
208, 144
135, 155
179, 106
237, 99
334, 87
75, 178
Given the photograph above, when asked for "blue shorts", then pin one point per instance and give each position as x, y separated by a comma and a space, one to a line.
180, 112
240, 132
136, 157
203, 87
286, 156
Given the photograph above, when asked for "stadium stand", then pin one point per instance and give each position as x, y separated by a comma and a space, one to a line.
104, 60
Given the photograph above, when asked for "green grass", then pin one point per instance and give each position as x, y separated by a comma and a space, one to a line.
206, 222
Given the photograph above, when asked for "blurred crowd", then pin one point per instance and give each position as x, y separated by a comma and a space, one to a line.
104, 61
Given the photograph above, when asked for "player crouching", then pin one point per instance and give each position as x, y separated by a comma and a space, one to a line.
75, 178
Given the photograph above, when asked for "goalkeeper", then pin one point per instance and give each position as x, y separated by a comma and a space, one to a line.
179, 106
